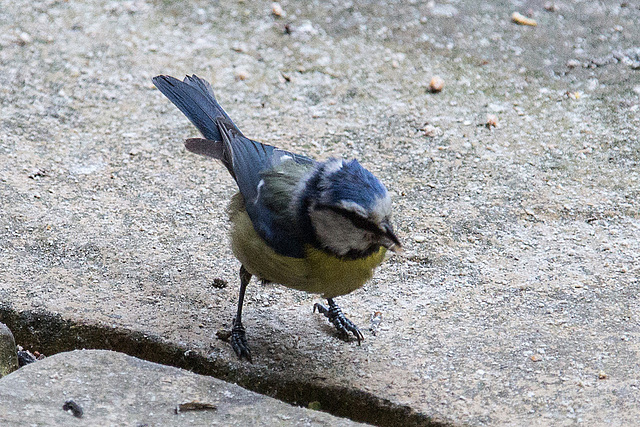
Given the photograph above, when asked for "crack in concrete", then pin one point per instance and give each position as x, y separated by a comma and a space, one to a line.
50, 333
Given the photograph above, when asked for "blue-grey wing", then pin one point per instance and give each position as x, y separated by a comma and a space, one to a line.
265, 187
267, 182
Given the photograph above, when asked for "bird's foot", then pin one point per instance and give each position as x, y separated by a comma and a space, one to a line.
339, 320
239, 341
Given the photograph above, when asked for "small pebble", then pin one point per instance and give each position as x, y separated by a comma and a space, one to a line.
24, 39
223, 335
574, 95
419, 238
436, 84
602, 375
73, 407
573, 63
432, 131
492, 121
376, 319
219, 283
277, 10
242, 75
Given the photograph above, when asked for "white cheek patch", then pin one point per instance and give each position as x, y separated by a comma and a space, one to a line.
381, 209
353, 207
338, 233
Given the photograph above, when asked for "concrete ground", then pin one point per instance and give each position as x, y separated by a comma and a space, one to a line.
517, 300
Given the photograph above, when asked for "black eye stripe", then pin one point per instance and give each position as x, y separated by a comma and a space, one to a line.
357, 220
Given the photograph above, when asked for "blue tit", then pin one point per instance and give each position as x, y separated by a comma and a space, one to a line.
320, 227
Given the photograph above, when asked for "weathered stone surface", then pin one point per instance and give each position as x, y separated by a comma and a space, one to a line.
517, 300
8, 352
110, 388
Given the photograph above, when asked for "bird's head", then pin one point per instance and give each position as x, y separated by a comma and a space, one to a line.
351, 213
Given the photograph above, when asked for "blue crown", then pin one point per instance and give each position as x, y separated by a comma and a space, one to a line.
354, 183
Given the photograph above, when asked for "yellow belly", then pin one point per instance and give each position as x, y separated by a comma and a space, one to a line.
332, 276
319, 272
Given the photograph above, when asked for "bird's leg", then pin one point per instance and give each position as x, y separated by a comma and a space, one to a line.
339, 320
238, 338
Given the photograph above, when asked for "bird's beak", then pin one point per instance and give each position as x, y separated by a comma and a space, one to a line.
389, 240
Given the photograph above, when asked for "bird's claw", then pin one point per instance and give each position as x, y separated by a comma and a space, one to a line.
339, 320
239, 342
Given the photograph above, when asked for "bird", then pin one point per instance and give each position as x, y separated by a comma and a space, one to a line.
315, 226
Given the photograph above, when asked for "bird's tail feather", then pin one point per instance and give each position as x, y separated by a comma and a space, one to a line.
195, 98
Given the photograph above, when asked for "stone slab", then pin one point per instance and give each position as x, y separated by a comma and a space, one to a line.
113, 389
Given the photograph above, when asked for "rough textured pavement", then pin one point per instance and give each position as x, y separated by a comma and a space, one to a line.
517, 302
110, 388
